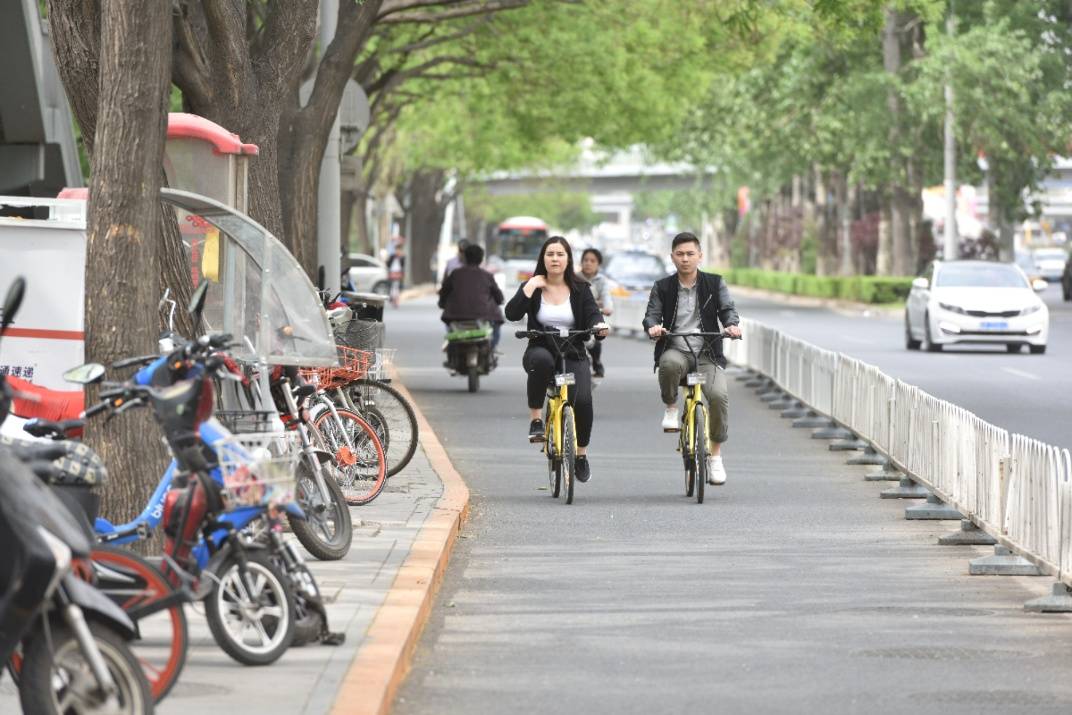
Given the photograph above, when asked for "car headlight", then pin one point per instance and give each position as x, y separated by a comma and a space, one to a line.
952, 308
1031, 309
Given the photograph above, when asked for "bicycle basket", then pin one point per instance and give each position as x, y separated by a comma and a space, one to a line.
381, 368
258, 469
354, 364
248, 421
360, 334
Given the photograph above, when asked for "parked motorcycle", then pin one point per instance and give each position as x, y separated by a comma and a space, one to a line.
469, 351
63, 640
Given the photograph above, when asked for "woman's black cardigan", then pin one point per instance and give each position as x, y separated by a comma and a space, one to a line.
585, 315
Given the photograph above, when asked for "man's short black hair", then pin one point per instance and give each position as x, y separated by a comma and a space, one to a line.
595, 252
685, 237
474, 255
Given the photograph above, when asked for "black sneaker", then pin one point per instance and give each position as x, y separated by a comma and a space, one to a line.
536, 430
581, 469
597, 369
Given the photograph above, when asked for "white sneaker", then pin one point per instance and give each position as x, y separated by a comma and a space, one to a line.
670, 420
716, 472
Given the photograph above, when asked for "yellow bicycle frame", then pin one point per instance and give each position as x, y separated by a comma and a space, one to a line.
692, 398
553, 431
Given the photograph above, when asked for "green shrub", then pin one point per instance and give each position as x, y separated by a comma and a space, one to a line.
860, 289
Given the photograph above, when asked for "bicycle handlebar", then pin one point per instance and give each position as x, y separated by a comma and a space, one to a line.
553, 333
723, 334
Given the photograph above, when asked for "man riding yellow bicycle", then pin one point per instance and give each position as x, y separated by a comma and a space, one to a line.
690, 301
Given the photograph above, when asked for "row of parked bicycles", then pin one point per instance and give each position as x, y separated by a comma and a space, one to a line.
88, 624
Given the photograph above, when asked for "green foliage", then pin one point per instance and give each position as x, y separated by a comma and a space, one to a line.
860, 289
562, 210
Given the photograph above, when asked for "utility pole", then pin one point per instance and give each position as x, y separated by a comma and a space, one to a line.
329, 212
952, 240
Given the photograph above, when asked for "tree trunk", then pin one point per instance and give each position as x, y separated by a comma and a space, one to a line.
122, 251
895, 255
845, 265
425, 213
826, 258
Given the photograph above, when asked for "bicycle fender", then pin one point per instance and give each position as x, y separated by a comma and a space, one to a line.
98, 607
323, 456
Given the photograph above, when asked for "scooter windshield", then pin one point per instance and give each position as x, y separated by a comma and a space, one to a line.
264, 299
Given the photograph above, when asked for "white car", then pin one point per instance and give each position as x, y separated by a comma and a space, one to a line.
1049, 262
976, 302
368, 274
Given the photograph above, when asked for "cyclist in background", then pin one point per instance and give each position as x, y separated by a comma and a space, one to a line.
555, 298
591, 262
691, 301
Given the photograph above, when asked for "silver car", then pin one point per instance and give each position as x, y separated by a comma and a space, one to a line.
958, 302
368, 274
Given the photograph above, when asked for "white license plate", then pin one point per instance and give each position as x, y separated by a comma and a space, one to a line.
994, 325
565, 379
695, 378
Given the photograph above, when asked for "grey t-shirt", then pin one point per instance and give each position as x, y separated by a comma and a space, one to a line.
687, 319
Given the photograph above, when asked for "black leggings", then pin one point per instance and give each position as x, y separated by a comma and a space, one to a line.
541, 365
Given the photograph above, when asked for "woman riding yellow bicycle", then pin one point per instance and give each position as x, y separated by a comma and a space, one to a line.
554, 298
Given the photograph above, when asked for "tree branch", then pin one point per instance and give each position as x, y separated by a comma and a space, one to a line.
188, 61
392, 7
477, 8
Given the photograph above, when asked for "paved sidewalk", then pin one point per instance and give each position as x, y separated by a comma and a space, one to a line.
307, 679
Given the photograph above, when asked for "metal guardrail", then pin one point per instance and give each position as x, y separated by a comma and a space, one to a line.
1015, 488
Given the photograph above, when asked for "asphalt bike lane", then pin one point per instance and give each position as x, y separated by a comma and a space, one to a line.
793, 588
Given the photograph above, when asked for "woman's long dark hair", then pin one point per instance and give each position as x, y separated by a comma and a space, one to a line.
541, 268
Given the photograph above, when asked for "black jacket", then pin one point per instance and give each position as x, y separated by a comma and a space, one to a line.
470, 293
582, 302
716, 307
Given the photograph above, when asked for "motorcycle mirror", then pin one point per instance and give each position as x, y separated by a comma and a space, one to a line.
197, 300
13, 301
86, 374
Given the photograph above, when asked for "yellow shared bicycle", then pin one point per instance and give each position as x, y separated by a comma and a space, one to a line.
560, 430
692, 438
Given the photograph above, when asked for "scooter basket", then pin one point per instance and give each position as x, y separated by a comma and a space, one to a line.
258, 469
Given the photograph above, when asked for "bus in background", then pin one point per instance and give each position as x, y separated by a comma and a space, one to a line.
513, 250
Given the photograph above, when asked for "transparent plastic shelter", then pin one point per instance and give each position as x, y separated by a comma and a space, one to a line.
262, 296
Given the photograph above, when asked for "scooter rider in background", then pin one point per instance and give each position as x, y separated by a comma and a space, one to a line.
591, 262
471, 293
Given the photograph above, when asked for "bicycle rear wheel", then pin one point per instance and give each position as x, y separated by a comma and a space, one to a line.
361, 464
569, 452
393, 418
136, 586
699, 440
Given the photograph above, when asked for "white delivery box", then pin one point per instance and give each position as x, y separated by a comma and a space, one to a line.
47, 336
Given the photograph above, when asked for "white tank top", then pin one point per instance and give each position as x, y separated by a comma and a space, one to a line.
555, 316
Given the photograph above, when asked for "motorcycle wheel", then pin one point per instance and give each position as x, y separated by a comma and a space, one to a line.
474, 378
59, 680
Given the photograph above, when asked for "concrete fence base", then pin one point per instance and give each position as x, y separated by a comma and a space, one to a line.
869, 457
1003, 563
1059, 601
907, 489
968, 535
934, 509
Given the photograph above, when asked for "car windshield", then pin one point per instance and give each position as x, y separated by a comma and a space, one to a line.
634, 267
994, 276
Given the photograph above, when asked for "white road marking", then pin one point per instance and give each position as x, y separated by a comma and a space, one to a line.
1021, 373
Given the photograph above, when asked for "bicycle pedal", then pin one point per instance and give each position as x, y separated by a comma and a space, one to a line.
675, 430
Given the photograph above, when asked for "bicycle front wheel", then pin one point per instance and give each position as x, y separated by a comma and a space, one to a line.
393, 418
358, 453
699, 439
136, 586
569, 453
